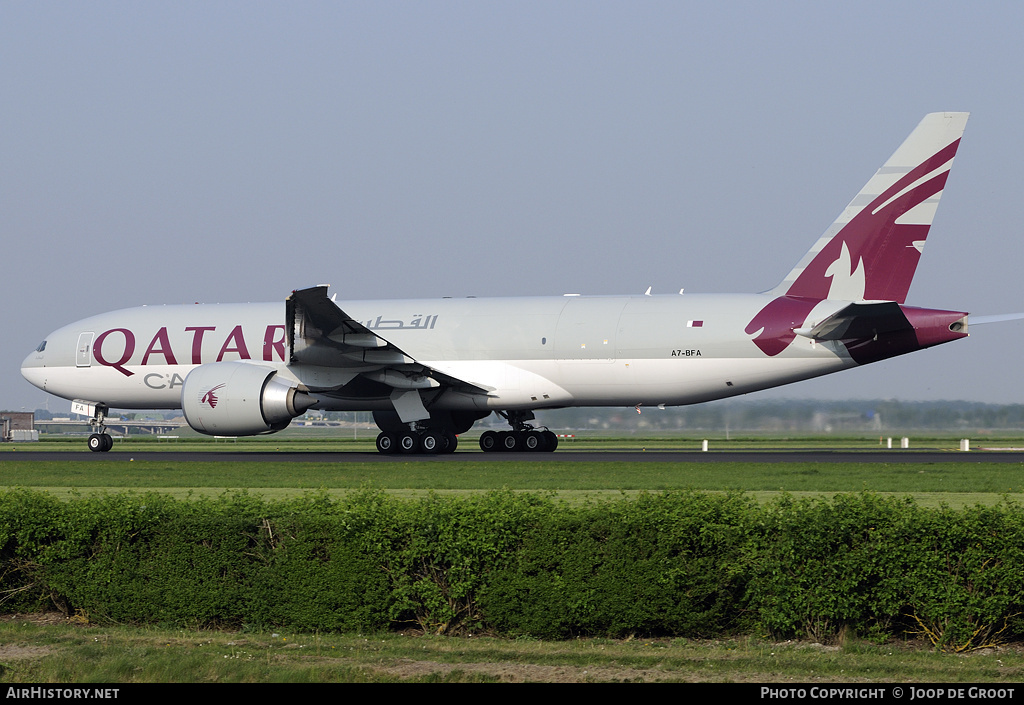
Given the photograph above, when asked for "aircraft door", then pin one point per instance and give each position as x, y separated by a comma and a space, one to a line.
83, 356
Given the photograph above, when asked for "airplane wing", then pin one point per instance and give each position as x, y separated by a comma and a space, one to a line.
322, 334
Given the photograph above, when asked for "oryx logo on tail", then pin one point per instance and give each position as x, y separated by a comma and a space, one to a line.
872, 249
847, 282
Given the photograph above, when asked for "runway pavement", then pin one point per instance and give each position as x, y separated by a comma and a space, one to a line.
561, 456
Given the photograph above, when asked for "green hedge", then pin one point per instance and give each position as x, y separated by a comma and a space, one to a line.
675, 563
883, 566
661, 564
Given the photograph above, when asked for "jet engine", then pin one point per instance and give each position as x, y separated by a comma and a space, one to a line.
240, 399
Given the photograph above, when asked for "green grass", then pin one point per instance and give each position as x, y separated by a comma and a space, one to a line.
522, 475
69, 653
955, 483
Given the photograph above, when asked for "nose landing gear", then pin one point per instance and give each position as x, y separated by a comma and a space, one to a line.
99, 440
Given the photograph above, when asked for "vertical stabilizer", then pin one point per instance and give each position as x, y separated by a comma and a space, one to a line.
872, 249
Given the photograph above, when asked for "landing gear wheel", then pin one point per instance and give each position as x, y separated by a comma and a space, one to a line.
511, 441
534, 441
386, 443
552, 441
408, 442
489, 441
431, 443
100, 442
451, 442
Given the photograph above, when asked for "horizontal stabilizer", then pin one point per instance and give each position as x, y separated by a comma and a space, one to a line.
859, 321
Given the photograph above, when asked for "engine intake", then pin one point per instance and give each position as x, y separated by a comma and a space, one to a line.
240, 399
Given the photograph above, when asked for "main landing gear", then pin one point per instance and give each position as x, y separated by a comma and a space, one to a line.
522, 437
428, 441
99, 440
437, 435
433, 436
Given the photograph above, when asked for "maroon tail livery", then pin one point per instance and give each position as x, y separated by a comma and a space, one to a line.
870, 253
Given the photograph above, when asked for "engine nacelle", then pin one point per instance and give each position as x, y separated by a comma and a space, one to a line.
240, 399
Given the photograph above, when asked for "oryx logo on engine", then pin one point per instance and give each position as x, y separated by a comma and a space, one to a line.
210, 399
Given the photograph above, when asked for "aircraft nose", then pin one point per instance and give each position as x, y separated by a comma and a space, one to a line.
33, 369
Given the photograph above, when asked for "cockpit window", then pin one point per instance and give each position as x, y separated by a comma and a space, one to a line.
42, 346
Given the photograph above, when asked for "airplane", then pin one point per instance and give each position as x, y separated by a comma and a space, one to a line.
429, 369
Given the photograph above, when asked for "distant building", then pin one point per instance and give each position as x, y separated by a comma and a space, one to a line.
18, 426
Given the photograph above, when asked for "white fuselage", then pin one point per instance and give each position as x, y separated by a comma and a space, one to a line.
528, 353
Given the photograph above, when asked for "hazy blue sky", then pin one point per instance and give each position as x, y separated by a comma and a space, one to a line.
167, 152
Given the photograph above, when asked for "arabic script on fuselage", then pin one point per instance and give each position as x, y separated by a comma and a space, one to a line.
418, 321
